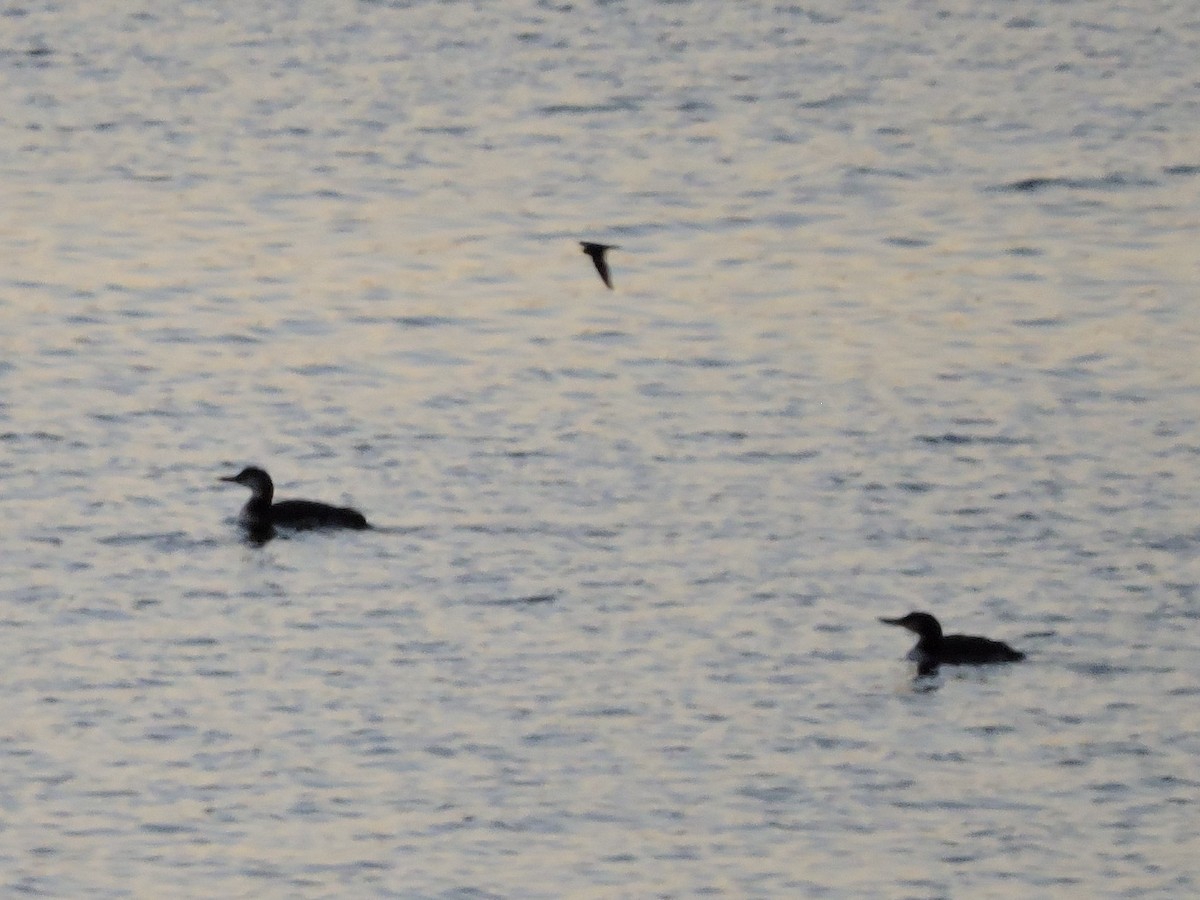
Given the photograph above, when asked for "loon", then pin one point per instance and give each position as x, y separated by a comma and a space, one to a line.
596, 252
934, 649
260, 516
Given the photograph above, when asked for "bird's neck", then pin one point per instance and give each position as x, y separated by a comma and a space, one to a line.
257, 508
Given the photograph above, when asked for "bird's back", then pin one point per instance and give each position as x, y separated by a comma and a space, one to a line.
964, 649
302, 514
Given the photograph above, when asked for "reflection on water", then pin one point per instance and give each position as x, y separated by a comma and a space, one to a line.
903, 319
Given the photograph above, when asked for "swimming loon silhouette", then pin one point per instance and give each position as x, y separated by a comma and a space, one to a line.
260, 516
935, 649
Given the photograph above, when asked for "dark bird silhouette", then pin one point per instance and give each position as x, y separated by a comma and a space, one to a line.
260, 516
596, 252
935, 649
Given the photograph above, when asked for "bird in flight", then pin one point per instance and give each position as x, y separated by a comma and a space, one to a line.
596, 252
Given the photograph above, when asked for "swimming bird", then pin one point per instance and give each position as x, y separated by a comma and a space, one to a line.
260, 516
596, 252
934, 649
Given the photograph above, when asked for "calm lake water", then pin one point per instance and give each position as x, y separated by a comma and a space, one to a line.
904, 318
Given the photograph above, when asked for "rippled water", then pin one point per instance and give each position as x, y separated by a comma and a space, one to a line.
904, 319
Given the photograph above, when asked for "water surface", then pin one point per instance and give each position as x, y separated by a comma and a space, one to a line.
904, 319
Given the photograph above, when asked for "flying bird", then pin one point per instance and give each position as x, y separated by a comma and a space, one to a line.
596, 252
